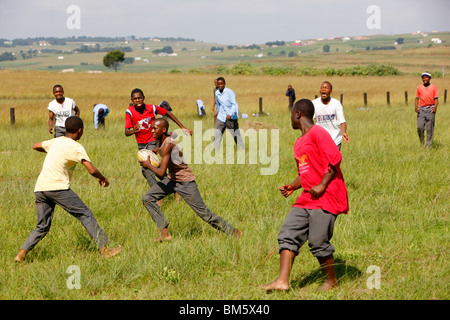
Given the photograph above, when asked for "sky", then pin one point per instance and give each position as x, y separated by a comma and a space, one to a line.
235, 22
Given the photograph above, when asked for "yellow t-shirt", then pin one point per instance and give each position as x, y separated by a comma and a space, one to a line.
62, 156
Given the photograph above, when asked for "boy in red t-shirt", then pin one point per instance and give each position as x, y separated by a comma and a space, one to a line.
324, 197
425, 106
138, 121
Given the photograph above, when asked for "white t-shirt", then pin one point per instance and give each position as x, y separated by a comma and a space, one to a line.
62, 111
329, 116
62, 156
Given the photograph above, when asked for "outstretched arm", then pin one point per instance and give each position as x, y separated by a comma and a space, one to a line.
38, 147
93, 171
174, 119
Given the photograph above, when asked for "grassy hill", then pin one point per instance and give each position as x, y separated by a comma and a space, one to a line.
415, 54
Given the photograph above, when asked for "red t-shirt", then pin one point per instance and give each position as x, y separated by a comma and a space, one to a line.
427, 95
314, 153
145, 119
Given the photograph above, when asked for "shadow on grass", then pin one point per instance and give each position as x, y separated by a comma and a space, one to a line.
344, 273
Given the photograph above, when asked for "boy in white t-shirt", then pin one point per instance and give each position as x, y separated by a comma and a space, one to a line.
53, 188
329, 114
59, 110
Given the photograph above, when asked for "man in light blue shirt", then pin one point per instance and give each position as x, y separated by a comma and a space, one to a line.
100, 113
227, 114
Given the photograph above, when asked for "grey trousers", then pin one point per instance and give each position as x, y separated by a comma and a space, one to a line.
190, 193
59, 132
233, 127
147, 173
69, 201
313, 225
425, 121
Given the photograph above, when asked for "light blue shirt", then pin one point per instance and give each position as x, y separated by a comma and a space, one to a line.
226, 105
96, 109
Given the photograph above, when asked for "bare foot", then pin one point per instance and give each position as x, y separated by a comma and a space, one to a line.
277, 285
159, 203
177, 197
237, 233
162, 238
328, 285
108, 253
20, 256
165, 236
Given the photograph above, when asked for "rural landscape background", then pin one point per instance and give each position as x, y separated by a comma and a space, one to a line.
398, 191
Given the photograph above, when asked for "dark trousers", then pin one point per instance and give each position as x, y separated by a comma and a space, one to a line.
425, 121
233, 128
190, 193
69, 201
313, 225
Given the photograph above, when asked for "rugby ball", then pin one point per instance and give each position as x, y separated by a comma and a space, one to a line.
143, 155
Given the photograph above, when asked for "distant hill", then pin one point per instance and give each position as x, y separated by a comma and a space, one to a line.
405, 52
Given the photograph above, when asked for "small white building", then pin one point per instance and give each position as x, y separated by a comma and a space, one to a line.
436, 40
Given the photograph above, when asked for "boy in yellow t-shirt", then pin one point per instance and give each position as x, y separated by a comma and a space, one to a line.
53, 187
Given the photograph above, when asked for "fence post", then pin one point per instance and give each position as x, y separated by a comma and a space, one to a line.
13, 116
342, 98
406, 97
261, 113
445, 96
388, 97
365, 98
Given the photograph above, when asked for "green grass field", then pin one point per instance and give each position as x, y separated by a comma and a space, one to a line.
398, 195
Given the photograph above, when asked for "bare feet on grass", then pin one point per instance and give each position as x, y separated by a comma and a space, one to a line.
20, 256
108, 253
165, 236
237, 233
277, 285
328, 285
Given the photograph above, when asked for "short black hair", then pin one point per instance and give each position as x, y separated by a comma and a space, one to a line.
137, 90
164, 122
331, 86
306, 107
58, 85
73, 123
221, 78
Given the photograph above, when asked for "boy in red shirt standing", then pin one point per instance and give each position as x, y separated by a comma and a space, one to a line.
324, 197
138, 121
425, 106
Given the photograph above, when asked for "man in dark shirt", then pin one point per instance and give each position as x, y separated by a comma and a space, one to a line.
290, 93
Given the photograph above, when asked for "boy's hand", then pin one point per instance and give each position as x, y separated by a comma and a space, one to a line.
286, 190
146, 163
187, 131
317, 191
103, 182
50, 130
